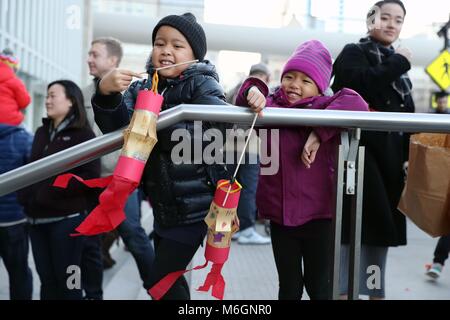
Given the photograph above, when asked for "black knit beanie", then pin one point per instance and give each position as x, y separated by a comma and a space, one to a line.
188, 26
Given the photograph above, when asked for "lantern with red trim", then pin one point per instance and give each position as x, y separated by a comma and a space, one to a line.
221, 221
139, 140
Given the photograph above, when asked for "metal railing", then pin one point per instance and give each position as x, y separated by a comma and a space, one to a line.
350, 162
95, 148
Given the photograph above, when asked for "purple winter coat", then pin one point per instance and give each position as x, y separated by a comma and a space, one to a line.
296, 195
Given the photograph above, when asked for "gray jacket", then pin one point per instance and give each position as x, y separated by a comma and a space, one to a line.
109, 161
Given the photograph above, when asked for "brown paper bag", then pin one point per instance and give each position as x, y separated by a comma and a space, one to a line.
426, 196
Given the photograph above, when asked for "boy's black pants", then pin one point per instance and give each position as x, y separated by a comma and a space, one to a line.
172, 256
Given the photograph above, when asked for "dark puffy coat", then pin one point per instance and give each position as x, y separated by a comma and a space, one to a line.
42, 200
180, 194
15, 147
357, 68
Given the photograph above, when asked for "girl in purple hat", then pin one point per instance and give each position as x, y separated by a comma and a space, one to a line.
299, 198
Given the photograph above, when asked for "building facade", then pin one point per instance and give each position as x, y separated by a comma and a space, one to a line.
49, 37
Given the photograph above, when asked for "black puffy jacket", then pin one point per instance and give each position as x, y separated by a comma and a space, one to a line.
180, 194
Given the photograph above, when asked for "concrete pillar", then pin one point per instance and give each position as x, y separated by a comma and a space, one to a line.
88, 30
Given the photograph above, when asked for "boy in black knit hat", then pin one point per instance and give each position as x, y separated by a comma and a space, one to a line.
180, 193
191, 30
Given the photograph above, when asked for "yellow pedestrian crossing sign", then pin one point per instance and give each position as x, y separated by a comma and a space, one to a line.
439, 70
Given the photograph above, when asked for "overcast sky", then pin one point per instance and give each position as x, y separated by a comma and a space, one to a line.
277, 13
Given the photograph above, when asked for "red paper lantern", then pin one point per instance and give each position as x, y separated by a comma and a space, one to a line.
221, 221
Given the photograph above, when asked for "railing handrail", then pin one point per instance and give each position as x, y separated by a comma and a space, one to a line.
90, 150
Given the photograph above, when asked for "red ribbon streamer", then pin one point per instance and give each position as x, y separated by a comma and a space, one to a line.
163, 285
109, 214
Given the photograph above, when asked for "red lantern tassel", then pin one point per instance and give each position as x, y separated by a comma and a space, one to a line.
215, 280
163, 285
109, 214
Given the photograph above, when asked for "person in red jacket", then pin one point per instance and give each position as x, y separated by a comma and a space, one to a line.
13, 94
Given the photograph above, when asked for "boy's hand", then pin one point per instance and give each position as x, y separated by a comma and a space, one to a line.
310, 149
116, 80
256, 99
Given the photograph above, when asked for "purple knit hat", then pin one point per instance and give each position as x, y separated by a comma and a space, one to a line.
314, 60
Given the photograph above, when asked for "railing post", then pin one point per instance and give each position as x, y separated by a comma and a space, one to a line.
354, 190
337, 220
355, 165
350, 175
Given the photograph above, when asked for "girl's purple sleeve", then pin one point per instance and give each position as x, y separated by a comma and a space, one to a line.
345, 99
241, 99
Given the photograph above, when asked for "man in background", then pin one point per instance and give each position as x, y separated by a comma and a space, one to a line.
105, 55
442, 103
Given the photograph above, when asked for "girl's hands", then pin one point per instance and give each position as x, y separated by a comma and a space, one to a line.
310, 149
256, 99
117, 80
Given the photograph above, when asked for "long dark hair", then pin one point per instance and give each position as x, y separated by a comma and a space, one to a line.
74, 94
380, 4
